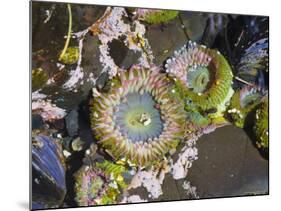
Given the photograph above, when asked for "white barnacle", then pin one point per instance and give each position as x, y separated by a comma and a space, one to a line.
66, 153
88, 152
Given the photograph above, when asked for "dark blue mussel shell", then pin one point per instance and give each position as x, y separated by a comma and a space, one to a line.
245, 43
48, 173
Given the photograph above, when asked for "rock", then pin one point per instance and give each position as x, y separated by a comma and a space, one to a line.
67, 143
102, 80
71, 121
37, 122
130, 59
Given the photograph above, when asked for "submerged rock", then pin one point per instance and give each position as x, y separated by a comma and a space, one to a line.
37, 122
71, 121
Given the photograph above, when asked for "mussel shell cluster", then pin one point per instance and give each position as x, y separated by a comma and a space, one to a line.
48, 173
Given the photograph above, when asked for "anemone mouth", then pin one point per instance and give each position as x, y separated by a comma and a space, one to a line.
137, 117
203, 75
140, 119
198, 78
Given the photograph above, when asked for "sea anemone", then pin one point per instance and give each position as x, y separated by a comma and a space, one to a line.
39, 78
242, 103
92, 186
203, 78
141, 118
153, 16
99, 183
71, 55
261, 125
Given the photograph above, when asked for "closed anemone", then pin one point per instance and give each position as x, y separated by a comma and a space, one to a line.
202, 75
141, 118
91, 186
261, 129
242, 103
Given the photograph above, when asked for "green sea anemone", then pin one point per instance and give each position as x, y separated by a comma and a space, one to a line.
39, 78
203, 78
71, 55
261, 125
115, 170
153, 16
94, 186
141, 118
242, 103
91, 185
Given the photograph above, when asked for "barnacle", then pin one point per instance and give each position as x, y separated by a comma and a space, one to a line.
140, 119
242, 103
203, 78
261, 125
153, 16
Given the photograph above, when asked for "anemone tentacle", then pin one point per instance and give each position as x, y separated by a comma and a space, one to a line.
140, 118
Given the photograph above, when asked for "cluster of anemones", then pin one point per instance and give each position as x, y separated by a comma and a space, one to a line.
203, 77
141, 118
242, 103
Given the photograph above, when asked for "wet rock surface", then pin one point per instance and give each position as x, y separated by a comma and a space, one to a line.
71, 121
228, 165
37, 122
165, 39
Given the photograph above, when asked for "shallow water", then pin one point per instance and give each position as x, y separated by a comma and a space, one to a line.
228, 163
